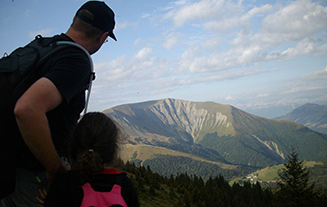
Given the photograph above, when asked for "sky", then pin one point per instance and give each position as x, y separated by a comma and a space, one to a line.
264, 57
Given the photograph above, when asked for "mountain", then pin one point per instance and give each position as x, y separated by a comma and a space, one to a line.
311, 115
172, 133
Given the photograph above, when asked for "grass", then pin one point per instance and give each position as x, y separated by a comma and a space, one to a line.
270, 174
144, 152
160, 199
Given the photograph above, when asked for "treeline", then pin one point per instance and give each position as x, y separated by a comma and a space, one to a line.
318, 175
192, 191
172, 165
259, 155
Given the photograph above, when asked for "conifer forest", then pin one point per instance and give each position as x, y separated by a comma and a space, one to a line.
292, 189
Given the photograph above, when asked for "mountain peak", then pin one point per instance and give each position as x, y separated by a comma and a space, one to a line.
193, 117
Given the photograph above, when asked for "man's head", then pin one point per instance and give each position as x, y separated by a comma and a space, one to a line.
100, 16
92, 24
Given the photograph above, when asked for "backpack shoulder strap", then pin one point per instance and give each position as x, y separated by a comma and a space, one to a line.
92, 76
54, 43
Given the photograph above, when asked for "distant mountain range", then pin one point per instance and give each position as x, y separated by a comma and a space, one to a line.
205, 137
311, 115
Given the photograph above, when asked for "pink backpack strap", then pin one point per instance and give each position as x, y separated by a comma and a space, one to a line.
88, 199
102, 199
112, 171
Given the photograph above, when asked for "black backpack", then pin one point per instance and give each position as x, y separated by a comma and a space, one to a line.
18, 71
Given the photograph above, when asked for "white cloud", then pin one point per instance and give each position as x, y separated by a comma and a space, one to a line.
197, 11
223, 25
303, 89
218, 76
229, 98
233, 17
171, 40
300, 19
303, 47
263, 95
121, 25
256, 11
27, 13
313, 81
138, 41
170, 43
143, 53
299, 26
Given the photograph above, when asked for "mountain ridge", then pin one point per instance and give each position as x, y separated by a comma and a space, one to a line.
314, 116
190, 116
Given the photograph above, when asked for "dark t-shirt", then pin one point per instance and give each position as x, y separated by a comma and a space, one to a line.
66, 189
70, 71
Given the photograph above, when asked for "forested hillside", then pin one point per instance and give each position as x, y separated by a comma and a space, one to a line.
155, 190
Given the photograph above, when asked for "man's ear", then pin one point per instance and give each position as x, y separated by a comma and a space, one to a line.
103, 37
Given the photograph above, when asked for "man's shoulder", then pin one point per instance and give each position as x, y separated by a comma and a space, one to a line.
67, 49
61, 41
60, 37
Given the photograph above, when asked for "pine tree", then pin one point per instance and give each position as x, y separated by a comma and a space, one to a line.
152, 191
172, 194
294, 183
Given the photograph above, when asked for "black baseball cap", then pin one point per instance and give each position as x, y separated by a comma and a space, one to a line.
103, 16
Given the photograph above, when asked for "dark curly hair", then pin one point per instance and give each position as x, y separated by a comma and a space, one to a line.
95, 143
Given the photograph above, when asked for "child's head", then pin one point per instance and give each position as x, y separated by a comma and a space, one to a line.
95, 142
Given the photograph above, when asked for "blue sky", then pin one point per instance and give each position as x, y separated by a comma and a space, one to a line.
264, 57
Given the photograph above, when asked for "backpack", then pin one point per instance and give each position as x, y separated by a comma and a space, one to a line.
18, 71
103, 199
24, 62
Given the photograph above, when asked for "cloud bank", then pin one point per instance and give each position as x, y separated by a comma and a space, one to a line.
212, 41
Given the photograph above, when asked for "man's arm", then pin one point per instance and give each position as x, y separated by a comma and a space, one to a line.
30, 112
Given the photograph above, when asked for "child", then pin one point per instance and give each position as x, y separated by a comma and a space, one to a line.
95, 143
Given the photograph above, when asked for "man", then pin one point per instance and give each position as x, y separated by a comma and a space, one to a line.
48, 111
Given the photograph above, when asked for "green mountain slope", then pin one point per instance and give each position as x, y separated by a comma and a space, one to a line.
318, 174
264, 141
313, 116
